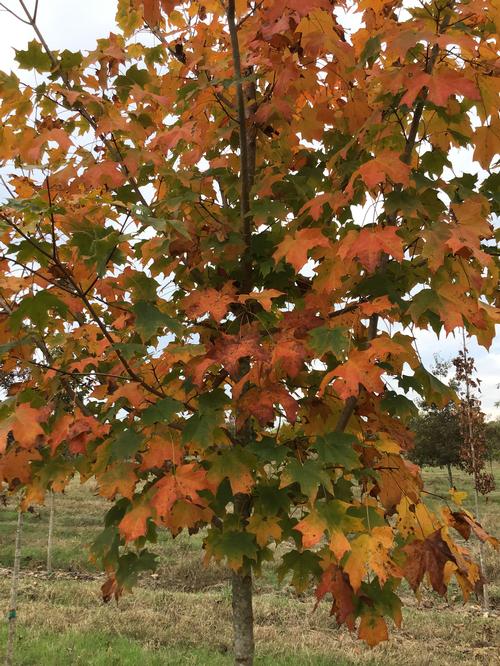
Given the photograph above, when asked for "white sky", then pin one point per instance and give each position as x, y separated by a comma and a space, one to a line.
76, 25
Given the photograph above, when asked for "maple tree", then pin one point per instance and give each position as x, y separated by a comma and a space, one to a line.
198, 317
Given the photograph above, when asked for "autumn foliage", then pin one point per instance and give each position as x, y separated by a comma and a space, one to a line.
198, 314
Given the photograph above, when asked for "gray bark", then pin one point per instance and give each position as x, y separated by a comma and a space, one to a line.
244, 646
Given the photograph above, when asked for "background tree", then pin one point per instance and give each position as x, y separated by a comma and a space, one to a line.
492, 437
181, 257
438, 438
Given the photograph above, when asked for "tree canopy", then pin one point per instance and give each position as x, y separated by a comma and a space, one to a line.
198, 314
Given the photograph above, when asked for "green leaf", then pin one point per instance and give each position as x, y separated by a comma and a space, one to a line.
234, 546
131, 565
303, 567
323, 340
269, 450
234, 463
133, 76
70, 59
432, 389
337, 448
199, 429
337, 517
148, 319
162, 411
34, 58
125, 445
270, 500
38, 308
309, 475
370, 51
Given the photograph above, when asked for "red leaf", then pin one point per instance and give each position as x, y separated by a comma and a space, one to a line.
335, 582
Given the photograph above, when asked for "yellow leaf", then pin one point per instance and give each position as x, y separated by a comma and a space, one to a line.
264, 528
457, 496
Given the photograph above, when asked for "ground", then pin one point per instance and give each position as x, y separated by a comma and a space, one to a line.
182, 614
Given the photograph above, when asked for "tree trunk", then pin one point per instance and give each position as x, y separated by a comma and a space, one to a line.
244, 646
51, 533
450, 475
11, 636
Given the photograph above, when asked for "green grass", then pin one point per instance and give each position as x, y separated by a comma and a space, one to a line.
182, 613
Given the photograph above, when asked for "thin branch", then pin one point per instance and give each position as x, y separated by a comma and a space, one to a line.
19, 18
244, 156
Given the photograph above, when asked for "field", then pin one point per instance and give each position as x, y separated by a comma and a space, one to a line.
181, 614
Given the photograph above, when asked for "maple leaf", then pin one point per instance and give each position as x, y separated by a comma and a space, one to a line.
398, 477
386, 164
372, 628
264, 297
230, 349
464, 523
119, 478
209, 300
371, 551
446, 82
331, 516
15, 465
335, 582
233, 546
295, 248
160, 449
309, 475
264, 528
236, 465
184, 484
57, 135
260, 403
103, 174
186, 515
26, 426
288, 356
151, 11
368, 245
429, 556
134, 523
357, 370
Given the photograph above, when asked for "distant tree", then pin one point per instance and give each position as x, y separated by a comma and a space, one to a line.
492, 436
438, 438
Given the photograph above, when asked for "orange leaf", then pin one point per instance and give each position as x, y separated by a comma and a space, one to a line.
295, 248
209, 300
26, 426
264, 297
372, 628
367, 245
183, 484
133, 524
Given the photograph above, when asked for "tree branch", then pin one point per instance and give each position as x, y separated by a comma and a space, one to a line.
244, 153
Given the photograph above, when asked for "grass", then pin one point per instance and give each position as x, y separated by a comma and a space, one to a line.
182, 614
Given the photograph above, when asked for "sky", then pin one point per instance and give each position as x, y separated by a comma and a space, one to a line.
76, 25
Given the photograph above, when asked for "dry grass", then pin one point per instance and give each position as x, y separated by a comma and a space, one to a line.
181, 615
